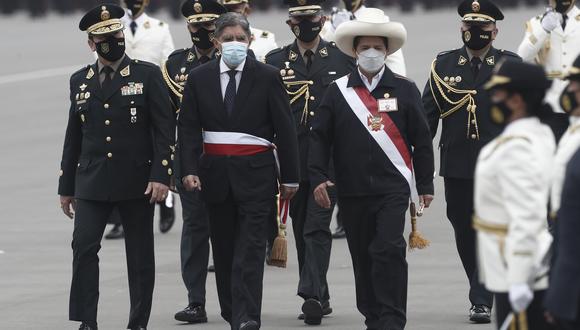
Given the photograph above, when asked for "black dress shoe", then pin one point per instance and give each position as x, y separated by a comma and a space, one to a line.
85, 326
326, 310
167, 217
249, 325
211, 268
116, 232
312, 310
192, 314
339, 232
480, 314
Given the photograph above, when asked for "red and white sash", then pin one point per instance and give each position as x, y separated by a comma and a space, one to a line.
387, 135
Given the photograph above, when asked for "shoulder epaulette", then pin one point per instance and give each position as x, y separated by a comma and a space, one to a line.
81, 70
275, 51
143, 63
402, 77
333, 44
178, 51
508, 53
446, 52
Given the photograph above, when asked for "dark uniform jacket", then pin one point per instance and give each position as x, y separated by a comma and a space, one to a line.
119, 139
362, 168
261, 108
563, 297
306, 88
451, 88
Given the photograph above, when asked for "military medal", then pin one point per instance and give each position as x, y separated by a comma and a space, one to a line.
375, 123
87, 95
83, 118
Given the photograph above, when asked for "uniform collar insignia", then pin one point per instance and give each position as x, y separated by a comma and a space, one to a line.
292, 56
147, 25
190, 57
125, 72
490, 60
323, 52
90, 74
83, 87
462, 60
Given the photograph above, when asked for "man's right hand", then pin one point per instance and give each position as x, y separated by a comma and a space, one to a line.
68, 205
321, 194
551, 20
191, 182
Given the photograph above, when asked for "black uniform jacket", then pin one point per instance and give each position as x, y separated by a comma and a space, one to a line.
117, 139
261, 108
306, 87
361, 166
447, 96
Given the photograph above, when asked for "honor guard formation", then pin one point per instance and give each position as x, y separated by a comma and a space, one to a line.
250, 134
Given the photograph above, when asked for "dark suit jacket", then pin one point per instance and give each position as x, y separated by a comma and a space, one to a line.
119, 139
459, 147
361, 166
563, 297
261, 109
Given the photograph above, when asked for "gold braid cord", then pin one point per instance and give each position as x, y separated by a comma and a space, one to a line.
466, 98
303, 90
173, 86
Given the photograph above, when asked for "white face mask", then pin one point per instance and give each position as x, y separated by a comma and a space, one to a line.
371, 60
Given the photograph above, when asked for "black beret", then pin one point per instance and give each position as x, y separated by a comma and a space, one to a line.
199, 11
518, 76
574, 72
303, 7
483, 11
103, 19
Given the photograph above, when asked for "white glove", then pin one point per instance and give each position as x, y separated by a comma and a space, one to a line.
520, 297
551, 20
341, 17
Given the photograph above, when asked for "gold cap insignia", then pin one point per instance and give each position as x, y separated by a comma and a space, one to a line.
105, 15
475, 6
197, 7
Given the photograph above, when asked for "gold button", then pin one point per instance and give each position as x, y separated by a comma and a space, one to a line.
110, 155
312, 113
169, 171
106, 105
60, 173
473, 121
473, 136
107, 122
165, 162
108, 139
172, 157
312, 98
132, 102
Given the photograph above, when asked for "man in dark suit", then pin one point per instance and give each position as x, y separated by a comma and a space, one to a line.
308, 66
455, 94
231, 111
195, 232
116, 155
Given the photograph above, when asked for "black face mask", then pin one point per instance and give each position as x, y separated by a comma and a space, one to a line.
568, 101
476, 38
500, 113
306, 30
562, 6
202, 39
111, 49
135, 6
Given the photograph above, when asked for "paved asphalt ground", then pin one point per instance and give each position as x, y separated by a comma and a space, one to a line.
36, 61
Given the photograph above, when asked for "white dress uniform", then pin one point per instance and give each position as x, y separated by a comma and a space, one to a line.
512, 180
567, 147
152, 41
395, 61
555, 51
262, 43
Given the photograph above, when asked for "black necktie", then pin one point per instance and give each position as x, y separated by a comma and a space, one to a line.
475, 62
565, 17
230, 92
107, 81
133, 27
308, 54
203, 59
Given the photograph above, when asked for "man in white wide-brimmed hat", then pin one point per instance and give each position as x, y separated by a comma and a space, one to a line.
373, 119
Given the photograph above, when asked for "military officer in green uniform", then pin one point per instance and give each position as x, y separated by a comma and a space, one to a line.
117, 154
200, 16
308, 66
454, 93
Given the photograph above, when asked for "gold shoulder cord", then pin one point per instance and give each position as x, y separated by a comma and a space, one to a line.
173, 86
303, 90
467, 98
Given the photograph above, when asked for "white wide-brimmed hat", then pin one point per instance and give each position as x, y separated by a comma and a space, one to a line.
370, 22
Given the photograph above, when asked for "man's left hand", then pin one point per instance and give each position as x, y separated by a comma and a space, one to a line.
287, 192
157, 190
425, 200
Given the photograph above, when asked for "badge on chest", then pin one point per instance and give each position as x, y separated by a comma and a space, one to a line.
132, 88
389, 104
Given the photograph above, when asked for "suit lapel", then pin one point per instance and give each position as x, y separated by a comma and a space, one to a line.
320, 58
296, 61
464, 67
245, 87
214, 82
486, 67
118, 79
94, 86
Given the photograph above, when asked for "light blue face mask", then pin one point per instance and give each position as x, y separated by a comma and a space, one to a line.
234, 52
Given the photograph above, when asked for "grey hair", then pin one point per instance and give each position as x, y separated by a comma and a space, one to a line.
229, 20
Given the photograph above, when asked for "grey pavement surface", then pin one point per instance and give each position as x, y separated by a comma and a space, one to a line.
36, 61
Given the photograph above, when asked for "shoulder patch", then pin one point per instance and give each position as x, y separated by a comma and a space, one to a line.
82, 70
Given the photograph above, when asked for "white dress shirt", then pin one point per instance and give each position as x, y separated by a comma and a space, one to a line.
225, 77
375, 82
